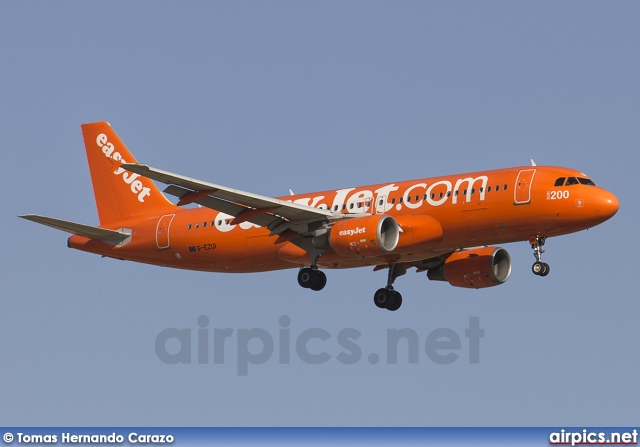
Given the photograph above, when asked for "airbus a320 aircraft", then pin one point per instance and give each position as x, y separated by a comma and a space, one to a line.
445, 226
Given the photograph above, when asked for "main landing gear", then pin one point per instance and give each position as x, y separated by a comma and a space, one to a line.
312, 278
387, 298
539, 268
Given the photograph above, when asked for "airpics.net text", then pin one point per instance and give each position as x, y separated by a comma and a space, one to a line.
313, 346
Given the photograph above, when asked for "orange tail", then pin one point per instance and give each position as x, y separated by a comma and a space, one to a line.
119, 193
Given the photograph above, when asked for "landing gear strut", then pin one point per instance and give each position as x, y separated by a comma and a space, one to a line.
539, 268
387, 298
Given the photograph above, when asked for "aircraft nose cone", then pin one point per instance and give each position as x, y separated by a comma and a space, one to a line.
606, 205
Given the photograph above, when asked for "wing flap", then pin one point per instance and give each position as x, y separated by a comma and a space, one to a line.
76, 228
241, 199
253, 215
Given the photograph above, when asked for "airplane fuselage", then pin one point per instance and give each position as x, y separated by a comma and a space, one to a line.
474, 209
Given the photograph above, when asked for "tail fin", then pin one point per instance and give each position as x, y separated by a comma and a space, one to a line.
119, 193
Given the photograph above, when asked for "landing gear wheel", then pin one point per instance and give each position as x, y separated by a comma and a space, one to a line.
540, 268
397, 302
387, 299
309, 278
537, 268
322, 281
546, 269
383, 298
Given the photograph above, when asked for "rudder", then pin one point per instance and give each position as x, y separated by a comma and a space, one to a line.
119, 193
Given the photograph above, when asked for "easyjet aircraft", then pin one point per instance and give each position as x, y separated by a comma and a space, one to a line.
445, 226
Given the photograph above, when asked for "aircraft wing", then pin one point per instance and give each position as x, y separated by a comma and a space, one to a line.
274, 214
80, 229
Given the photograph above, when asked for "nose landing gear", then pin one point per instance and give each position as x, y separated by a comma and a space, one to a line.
539, 268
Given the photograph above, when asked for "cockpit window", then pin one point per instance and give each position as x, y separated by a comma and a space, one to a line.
571, 181
586, 181
559, 182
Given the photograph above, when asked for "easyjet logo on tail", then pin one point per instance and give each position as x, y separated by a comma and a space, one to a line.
128, 177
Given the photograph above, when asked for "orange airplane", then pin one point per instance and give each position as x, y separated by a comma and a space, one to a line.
445, 226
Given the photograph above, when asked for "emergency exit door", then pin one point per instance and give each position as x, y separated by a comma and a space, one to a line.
162, 231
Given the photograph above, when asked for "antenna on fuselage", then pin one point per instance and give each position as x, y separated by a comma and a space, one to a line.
533, 163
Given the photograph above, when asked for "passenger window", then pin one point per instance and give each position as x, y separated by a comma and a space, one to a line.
440, 196
559, 182
586, 181
465, 192
488, 188
498, 188
219, 222
456, 193
351, 206
473, 190
572, 181
400, 200
409, 199
204, 225
417, 198
189, 226
213, 223
504, 188
448, 193
425, 197
197, 225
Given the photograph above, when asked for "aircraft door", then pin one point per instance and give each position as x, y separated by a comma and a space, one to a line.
522, 194
162, 231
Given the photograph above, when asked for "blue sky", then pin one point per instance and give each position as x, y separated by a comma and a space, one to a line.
311, 96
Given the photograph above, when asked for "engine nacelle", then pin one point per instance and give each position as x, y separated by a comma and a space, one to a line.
365, 236
474, 269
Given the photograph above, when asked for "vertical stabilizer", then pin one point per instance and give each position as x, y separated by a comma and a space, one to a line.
119, 194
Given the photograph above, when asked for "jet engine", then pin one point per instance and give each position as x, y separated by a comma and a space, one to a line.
474, 269
365, 236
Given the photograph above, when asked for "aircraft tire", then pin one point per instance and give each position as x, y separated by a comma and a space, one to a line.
537, 268
397, 302
322, 281
308, 278
546, 269
383, 298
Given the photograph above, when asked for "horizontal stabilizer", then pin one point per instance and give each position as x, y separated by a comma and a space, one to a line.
80, 229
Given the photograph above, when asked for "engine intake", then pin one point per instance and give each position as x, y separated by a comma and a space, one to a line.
474, 269
365, 236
